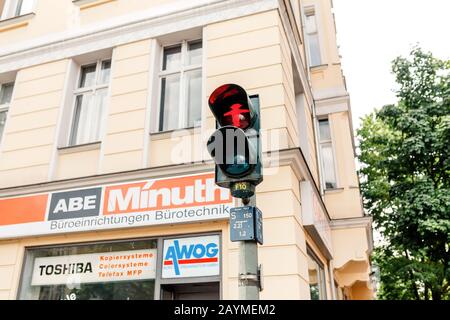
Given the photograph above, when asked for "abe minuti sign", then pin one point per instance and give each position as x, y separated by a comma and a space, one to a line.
172, 200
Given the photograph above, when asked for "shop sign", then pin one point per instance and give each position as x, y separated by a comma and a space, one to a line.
191, 257
184, 199
97, 267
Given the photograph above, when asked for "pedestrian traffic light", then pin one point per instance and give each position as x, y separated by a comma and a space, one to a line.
235, 146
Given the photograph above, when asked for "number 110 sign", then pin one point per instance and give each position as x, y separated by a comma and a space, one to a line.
246, 224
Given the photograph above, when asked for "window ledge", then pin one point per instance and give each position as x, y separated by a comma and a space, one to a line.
80, 148
163, 135
16, 22
319, 67
334, 190
86, 4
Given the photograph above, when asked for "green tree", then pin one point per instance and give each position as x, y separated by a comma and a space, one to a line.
405, 171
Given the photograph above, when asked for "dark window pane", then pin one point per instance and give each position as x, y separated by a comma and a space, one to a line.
2, 123
106, 72
324, 130
194, 53
87, 78
172, 58
6, 93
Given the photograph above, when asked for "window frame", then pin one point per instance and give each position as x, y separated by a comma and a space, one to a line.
323, 295
183, 105
15, 5
331, 143
312, 11
86, 90
5, 107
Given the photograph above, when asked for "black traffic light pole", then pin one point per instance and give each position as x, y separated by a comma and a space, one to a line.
236, 150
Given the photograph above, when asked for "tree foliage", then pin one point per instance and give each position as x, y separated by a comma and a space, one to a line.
405, 170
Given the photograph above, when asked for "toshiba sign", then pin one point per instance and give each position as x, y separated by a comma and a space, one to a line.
173, 200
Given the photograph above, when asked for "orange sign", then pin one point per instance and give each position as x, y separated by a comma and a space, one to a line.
23, 210
173, 193
182, 199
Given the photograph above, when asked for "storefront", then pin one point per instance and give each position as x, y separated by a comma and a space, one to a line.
166, 266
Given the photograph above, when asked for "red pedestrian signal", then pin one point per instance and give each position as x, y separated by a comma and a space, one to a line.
235, 146
232, 107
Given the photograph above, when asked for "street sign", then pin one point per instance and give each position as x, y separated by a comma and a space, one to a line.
246, 224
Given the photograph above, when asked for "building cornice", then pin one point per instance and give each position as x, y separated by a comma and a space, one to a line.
178, 16
289, 157
359, 222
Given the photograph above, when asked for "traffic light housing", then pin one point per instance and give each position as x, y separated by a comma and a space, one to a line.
235, 146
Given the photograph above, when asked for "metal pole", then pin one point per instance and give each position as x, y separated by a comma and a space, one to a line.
248, 265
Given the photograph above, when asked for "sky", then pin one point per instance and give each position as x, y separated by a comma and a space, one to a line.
372, 33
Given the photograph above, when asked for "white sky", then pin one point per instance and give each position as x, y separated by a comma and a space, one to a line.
372, 33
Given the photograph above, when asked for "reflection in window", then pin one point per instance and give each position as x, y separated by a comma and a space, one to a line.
6, 91
181, 86
317, 286
49, 275
312, 35
326, 154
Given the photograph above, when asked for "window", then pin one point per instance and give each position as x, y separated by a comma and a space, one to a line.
90, 100
15, 8
317, 286
98, 271
327, 155
6, 91
312, 35
181, 86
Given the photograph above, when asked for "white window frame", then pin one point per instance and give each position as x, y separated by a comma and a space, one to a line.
311, 11
324, 142
82, 91
5, 107
182, 103
13, 5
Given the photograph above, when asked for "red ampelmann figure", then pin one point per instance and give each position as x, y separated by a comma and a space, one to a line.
236, 113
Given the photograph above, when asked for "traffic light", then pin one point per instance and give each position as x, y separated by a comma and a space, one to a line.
235, 146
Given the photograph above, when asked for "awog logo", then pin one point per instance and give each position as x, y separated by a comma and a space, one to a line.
191, 257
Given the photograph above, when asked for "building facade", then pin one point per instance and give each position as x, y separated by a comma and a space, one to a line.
106, 188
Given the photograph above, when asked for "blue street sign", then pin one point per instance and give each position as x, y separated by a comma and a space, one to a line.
246, 224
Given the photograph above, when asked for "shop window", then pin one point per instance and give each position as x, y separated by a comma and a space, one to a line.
15, 8
90, 102
327, 155
6, 91
316, 272
312, 37
181, 86
101, 271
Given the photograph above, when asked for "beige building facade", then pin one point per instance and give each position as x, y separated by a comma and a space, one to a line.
106, 188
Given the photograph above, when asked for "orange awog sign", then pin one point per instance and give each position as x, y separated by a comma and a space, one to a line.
171, 200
